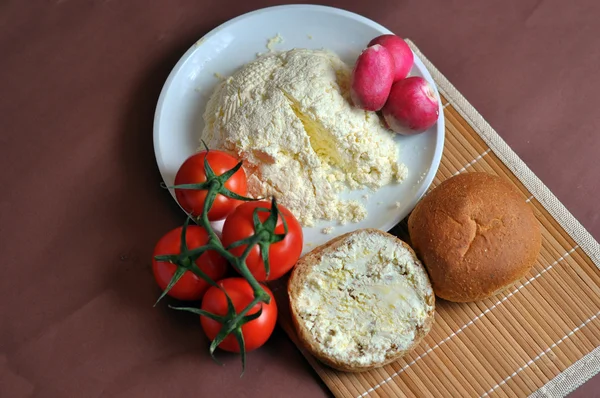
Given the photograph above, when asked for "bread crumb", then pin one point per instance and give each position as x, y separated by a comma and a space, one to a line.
327, 230
274, 40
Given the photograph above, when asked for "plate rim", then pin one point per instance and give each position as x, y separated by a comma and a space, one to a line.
440, 129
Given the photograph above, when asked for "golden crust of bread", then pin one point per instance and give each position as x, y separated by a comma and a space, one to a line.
297, 279
475, 235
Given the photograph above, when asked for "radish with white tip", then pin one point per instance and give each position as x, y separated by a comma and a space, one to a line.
412, 106
400, 51
372, 78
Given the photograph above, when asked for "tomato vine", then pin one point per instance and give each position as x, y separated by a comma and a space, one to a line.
264, 235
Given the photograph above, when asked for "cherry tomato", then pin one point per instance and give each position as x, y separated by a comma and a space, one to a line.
283, 255
192, 172
255, 332
189, 286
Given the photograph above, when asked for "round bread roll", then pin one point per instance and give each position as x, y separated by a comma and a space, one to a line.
476, 236
361, 301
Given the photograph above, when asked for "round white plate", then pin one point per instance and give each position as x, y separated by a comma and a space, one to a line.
178, 119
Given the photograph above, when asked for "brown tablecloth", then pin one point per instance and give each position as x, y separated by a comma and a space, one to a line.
81, 206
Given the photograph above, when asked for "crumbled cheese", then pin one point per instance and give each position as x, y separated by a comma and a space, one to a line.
365, 298
327, 230
274, 40
398, 205
288, 116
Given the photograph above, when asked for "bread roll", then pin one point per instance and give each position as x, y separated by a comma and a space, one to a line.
361, 301
476, 235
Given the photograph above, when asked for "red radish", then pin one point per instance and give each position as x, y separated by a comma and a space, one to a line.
401, 52
412, 106
372, 78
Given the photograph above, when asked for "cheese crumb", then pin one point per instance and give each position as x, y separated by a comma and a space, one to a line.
398, 205
327, 230
273, 41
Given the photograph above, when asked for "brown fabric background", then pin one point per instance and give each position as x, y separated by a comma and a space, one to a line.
81, 206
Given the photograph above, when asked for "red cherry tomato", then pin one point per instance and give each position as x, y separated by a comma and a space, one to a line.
189, 287
283, 255
192, 172
255, 332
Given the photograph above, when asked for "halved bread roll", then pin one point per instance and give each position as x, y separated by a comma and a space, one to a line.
476, 236
361, 301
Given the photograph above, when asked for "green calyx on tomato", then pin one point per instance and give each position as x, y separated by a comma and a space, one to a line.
256, 306
255, 326
211, 173
277, 251
264, 234
187, 261
175, 275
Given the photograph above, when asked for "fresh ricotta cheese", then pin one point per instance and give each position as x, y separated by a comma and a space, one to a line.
288, 116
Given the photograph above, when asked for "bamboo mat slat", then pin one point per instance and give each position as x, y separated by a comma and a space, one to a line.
514, 344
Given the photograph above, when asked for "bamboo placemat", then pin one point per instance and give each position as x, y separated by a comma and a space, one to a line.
541, 336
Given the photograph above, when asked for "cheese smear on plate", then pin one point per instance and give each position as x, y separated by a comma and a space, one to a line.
289, 116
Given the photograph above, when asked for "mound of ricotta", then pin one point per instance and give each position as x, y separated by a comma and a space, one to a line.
288, 115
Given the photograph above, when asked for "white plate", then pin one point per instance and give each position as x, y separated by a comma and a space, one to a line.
178, 119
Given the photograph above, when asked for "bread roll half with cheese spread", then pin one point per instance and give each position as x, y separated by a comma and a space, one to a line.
361, 301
